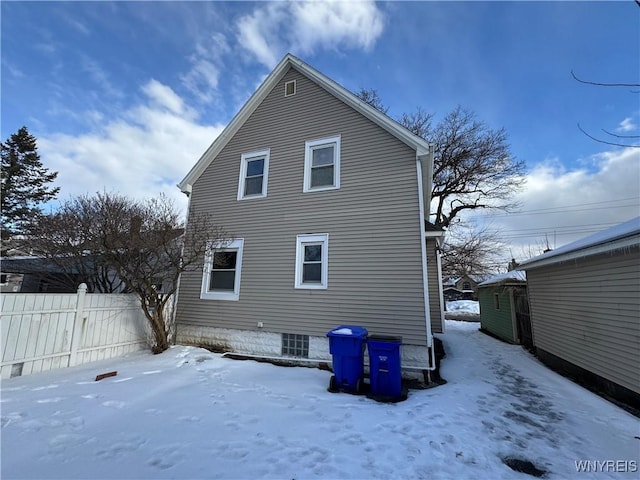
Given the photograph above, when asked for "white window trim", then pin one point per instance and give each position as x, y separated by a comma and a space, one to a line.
308, 146
205, 294
295, 87
301, 240
244, 161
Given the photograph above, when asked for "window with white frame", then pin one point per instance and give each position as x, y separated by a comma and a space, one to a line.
290, 88
322, 164
312, 261
221, 277
254, 173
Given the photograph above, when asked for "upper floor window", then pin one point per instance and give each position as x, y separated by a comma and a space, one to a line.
254, 173
466, 286
312, 261
221, 278
322, 164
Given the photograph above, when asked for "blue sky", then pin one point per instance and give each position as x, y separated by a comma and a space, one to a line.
127, 95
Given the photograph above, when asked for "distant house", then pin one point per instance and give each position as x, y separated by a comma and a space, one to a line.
585, 309
326, 199
461, 288
504, 308
32, 274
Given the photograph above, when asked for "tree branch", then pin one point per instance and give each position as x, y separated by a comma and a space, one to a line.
606, 142
601, 84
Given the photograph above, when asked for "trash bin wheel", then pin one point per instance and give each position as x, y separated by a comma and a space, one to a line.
333, 385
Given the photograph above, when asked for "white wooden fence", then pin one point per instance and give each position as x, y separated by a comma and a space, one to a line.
41, 332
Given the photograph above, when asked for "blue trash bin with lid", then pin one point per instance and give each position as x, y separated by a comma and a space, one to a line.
385, 369
346, 345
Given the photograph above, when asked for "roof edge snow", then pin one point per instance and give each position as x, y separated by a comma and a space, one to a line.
624, 235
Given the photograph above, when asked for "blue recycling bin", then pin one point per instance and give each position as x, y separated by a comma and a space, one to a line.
346, 345
385, 372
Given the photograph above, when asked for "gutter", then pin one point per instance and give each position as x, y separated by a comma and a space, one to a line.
423, 251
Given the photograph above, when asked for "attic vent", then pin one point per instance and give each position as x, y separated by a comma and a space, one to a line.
290, 88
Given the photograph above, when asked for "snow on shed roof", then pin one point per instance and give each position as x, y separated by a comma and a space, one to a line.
512, 276
623, 235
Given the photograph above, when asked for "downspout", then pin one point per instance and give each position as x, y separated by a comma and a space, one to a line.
423, 251
174, 313
440, 290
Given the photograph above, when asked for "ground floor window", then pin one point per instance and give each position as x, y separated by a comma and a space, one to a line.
312, 261
221, 276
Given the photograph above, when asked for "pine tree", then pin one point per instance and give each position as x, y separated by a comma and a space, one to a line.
24, 183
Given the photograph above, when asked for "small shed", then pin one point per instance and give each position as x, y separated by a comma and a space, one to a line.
504, 309
585, 309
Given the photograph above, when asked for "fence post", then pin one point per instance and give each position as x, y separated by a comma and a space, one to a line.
76, 335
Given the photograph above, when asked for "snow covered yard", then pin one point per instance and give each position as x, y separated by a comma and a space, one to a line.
189, 413
467, 310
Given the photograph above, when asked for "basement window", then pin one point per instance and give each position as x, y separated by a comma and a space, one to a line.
290, 88
294, 345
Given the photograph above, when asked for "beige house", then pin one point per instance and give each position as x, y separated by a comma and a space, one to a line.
585, 309
326, 199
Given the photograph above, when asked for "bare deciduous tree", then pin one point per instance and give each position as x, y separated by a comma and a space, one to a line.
471, 251
142, 246
473, 169
370, 96
473, 166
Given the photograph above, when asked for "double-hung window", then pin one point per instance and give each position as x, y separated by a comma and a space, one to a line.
221, 278
322, 164
312, 261
254, 173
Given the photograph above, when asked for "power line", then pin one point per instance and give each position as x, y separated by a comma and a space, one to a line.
569, 208
546, 228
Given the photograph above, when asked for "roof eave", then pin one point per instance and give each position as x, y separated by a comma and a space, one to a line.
627, 242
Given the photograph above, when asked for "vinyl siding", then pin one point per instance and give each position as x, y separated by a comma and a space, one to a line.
587, 312
375, 273
435, 309
499, 322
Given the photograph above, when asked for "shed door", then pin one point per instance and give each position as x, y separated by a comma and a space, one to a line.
523, 319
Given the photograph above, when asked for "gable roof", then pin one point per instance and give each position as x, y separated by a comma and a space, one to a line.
624, 235
514, 276
420, 145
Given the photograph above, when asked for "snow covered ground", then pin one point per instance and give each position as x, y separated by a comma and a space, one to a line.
470, 307
189, 413
467, 310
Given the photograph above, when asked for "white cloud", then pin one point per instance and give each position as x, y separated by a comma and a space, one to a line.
100, 77
303, 27
564, 205
145, 151
204, 74
627, 125
328, 25
164, 96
